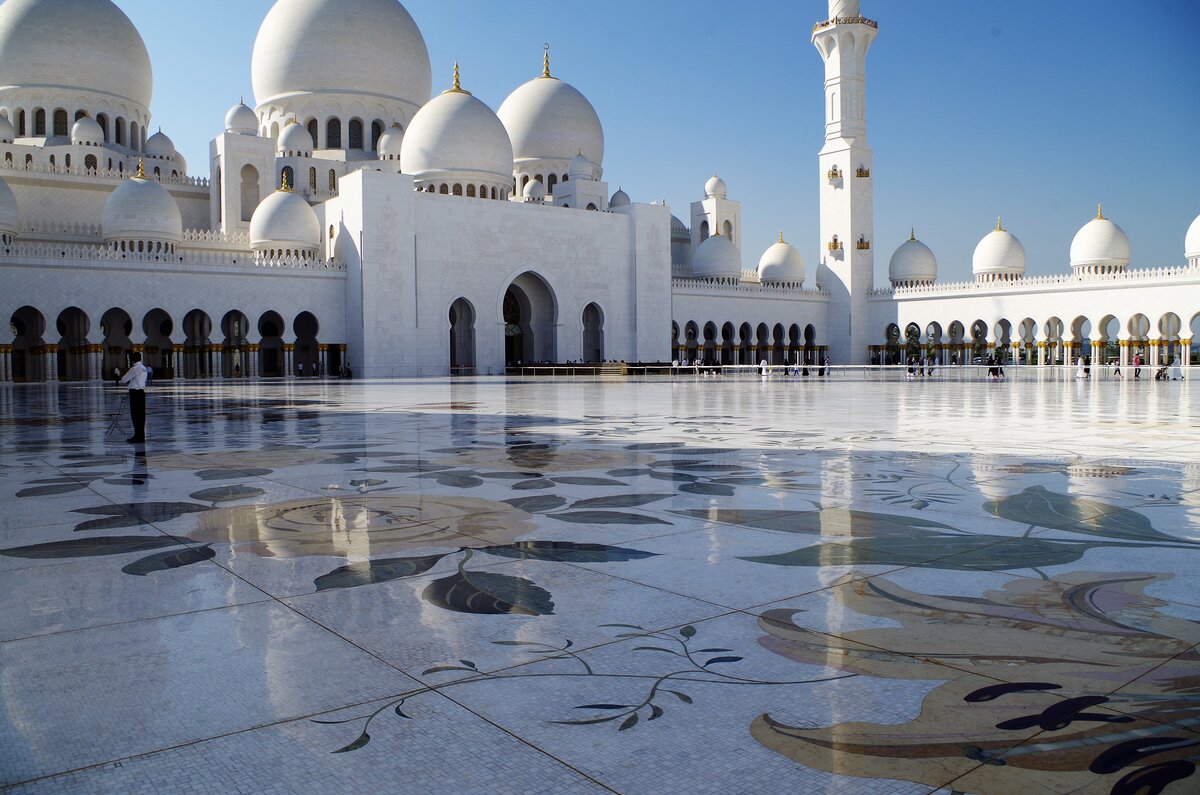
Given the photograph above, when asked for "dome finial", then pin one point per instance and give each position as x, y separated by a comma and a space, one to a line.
284, 183
546, 60
912, 234
781, 240
999, 226
456, 87
1099, 211
141, 172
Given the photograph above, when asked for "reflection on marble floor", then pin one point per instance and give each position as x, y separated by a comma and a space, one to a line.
829, 587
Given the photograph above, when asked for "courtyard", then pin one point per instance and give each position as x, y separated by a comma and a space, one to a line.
804, 585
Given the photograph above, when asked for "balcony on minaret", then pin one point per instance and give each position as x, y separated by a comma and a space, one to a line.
835, 174
835, 245
863, 244
863, 172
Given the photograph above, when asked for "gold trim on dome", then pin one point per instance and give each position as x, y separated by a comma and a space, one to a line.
456, 88
781, 240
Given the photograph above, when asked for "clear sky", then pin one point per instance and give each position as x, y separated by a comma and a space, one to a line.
1027, 109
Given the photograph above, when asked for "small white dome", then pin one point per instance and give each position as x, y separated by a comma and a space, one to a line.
295, 138
999, 254
581, 168
141, 209
1100, 244
619, 199
160, 146
678, 228
241, 120
391, 142
534, 191
1191, 243
781, 263
715, 188
717, 257
912, 262
88, 132
285, 222
548, 119
455, 134
7, 132
10, 217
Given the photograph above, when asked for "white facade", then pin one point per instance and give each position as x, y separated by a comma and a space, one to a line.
356, 217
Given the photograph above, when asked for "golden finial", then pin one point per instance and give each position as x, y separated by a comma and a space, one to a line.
717, 231
456, 88
283, 182
999, 227
546, 60
912, 234
781, 240
141, 174
1099, 211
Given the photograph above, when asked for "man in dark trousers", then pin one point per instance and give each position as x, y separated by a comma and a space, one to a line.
135, 378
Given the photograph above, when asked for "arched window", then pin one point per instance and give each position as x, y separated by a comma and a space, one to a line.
28, 161
68, 160
312, 180
458, 190
445, 189
157, 171
376, 133
90, 163
62, 123
39, 122
493, 193
134, 139
704, 231
333, 134
729, 230
524, 182
539, 178
313, 130
356, 134
249, 191
79, 114
120, 131
470, 191
332, 181
551, 182
21, 123
102, 120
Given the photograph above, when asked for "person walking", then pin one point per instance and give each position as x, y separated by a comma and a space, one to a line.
1137, 365
135, 379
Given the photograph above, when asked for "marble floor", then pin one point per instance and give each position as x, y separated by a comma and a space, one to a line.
702, 586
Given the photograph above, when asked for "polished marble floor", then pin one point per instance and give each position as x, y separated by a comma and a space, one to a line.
703, 586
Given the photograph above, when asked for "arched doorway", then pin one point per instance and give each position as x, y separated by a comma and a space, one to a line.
710, 343
691, 344
727, 342
270, 356
28, 325
116, 325
530, 313
891, 344
233, 328
745, 335
462, 337
593, 333
72, 326
158, 351
308, 352
793, 351
197, 327
810, 344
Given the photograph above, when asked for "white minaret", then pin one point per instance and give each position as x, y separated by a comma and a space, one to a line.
846, 269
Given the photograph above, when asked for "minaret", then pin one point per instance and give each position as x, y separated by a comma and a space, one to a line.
846, 269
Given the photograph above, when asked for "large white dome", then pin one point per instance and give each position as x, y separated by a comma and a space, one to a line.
1100, 245
457, 135
913, 262
999, 254
717, 257
141, 209
1191, 243
370, 48
781, 263
160, 146
283, 223
548, 119
10, 217
74, 47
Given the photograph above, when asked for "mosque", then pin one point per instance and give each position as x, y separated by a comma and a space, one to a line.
357, 217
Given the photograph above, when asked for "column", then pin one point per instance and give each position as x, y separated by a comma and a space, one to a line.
289, 360
344, 360
1016, 353
1124, 343
1185, 353
252, 355
51, 352
323, 356
1155, 355
1041, 352
216, 361
5, 363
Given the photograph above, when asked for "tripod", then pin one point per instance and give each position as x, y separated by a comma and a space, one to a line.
116, 416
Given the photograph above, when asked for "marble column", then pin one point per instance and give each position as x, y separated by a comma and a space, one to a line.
323, 354
51, 354
1041, 352
1155, 355
1185, 352
1124, 353
289, 360
252, 357
217, 361
5, 363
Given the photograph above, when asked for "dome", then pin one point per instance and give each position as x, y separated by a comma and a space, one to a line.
295, 138
1191, 243
240, 120
160, 146
8, 133
87, 132
10, 218
581, 168
912, 262
548, 119
534, 191
285, 222
619, 199
74, 46
369, 48
678, 228
1100, 244
715, 188
455, 133
999, 254
141, 209
717, 257
390, 142
781, 263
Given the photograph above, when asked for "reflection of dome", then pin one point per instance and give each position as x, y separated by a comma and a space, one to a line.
10, 218
160, 146
88, 132
7, 132
534, 191
284, 225
998, 256
295, 141
715, 188
74, 47
913, 263
390, 142
1100, 247
717, 257
141, 210
619, 199
241, 120
1191, 243
368, 48
455, 135
781, 263
548, 119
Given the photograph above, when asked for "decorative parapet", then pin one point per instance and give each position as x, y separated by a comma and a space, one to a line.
14, 255
212, 237
1032, 283
102, 174
870, 23
728, 286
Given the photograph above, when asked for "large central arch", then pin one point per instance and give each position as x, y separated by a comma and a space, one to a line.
530, 312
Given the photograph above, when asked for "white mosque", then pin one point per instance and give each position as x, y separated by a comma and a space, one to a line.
358, 217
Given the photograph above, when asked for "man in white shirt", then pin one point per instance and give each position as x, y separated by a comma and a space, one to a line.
135, 378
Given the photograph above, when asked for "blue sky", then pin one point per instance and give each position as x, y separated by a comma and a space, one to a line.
1030, 110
